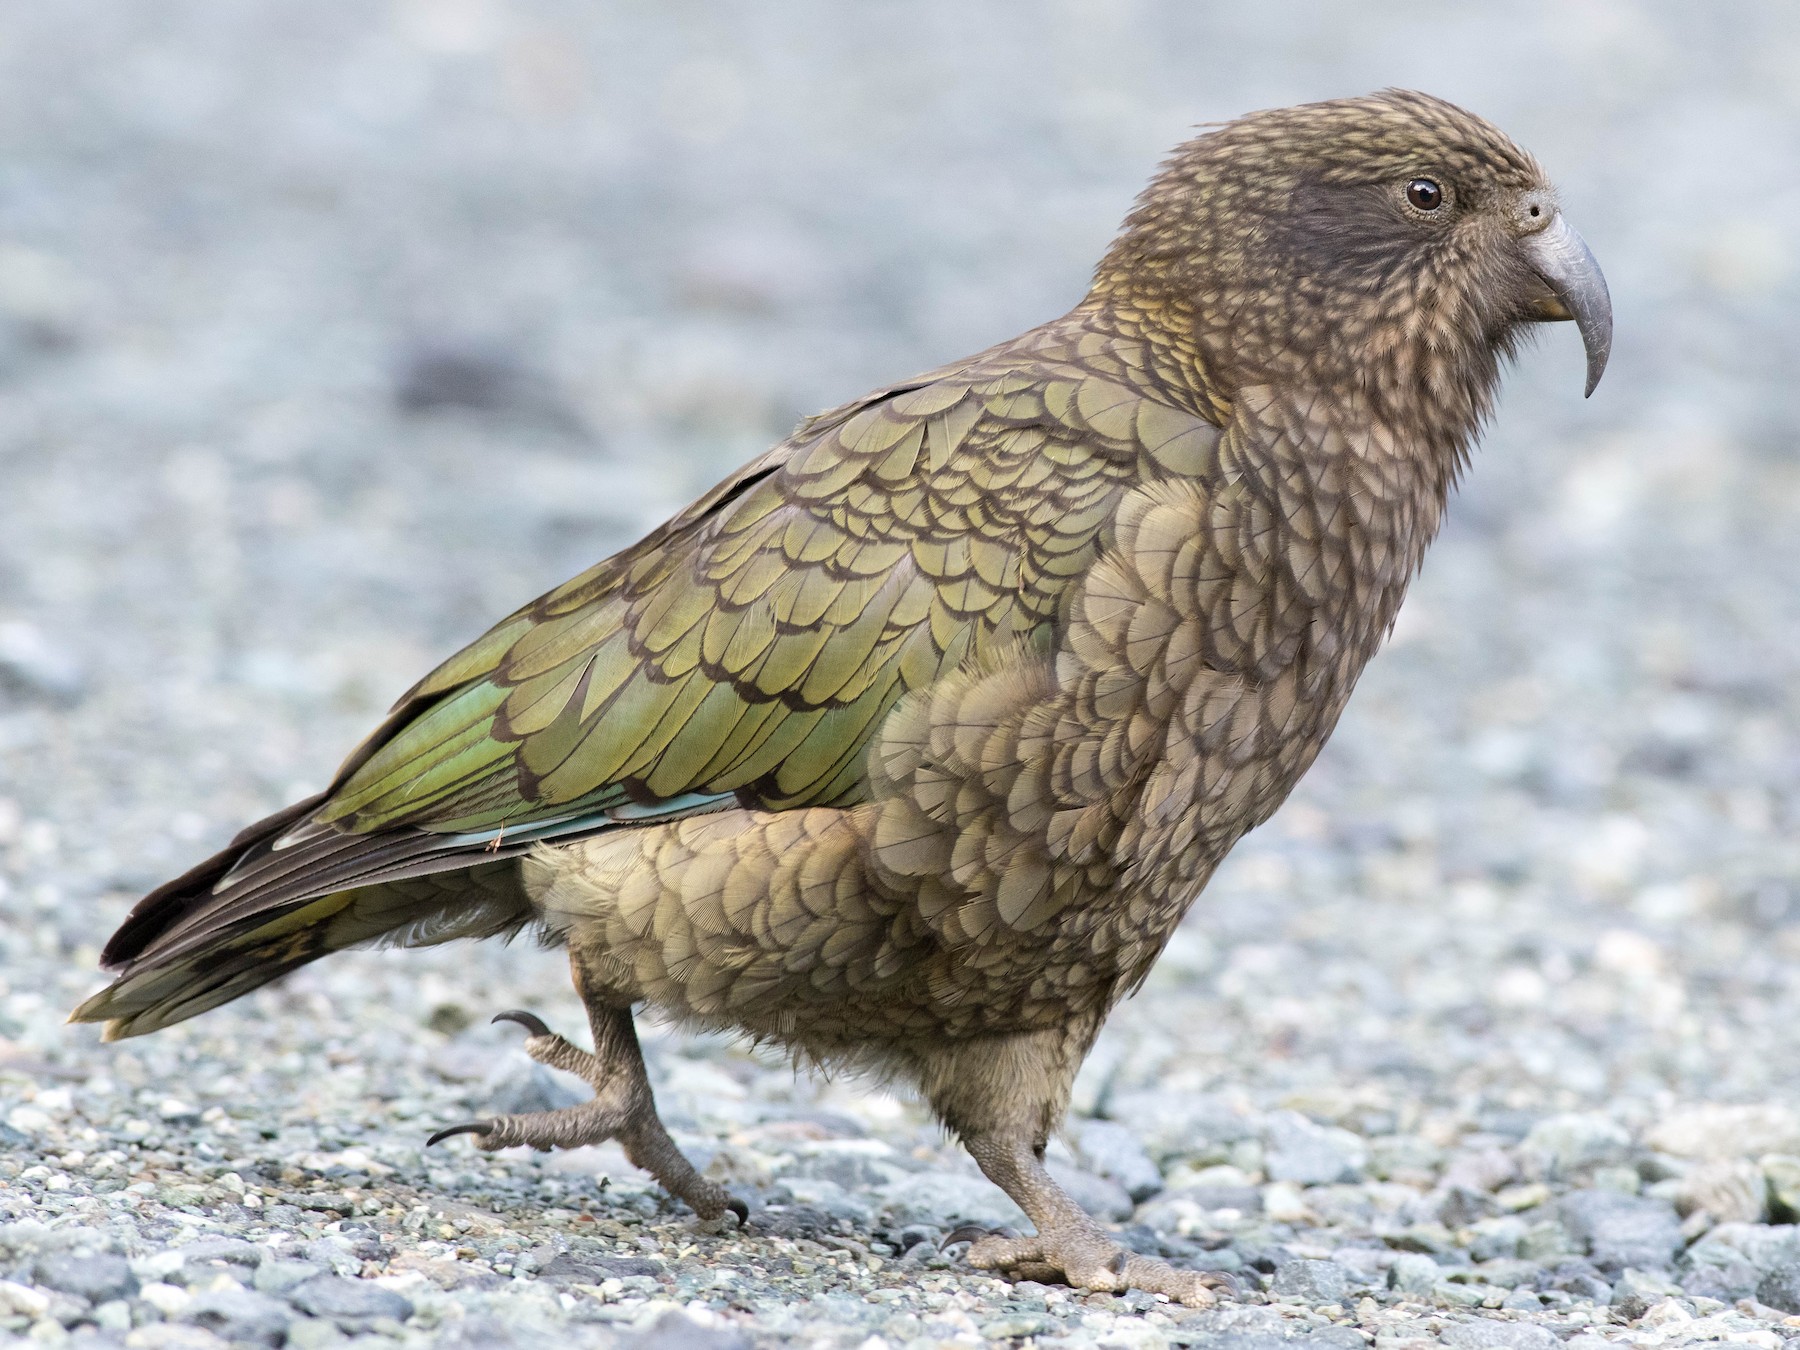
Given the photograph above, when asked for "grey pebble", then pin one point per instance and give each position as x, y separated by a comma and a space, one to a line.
1780, 1288
352, 1304
277, 1276
1490, 1335
566, 1268
1312, 1282
1301, 1151
1636, 1290
1099, 1196
98, 1278
1617, 1230
1114, 1151
1413, 1273
1565, 1145
240, 1316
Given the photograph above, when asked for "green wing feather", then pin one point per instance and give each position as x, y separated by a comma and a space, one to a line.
748, 649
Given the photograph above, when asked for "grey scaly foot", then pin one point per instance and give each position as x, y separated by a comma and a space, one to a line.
622, 1109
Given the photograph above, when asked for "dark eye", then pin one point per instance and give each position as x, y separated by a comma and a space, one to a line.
1425, 194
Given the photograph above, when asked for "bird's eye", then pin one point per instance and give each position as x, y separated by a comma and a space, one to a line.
1425, 194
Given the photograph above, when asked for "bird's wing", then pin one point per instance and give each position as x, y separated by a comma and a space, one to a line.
747, 651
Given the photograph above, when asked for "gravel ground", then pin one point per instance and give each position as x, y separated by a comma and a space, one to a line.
329, 332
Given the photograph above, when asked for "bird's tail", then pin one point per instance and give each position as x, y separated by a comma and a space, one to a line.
287, 892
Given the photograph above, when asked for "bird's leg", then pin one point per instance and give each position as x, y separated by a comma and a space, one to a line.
1004, 1095
1068, 1244
623, 1107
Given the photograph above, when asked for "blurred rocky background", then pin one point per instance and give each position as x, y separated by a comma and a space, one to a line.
330, 332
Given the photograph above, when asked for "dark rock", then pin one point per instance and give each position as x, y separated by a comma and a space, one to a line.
1312, 1282
352, 1304
1780, 1288
1617, 1230
795, 1221
96, 1278
240, 1316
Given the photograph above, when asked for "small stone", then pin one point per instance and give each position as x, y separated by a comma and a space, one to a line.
96, 1278
567, 1268
1780, 1288
1729, 1132
1105, 1200
677, 1331
1564, 1145
1406, 1158
113, 1315
352, 1304
1312, 1282
1732, 1259
167, 1299
1283, 1202
277, 1276
1182, 1124
1636, 1290
1486, 1335
1617, 1231
944, 1199
1578, 1278
18, 1300
1730, 1190
1480, 1169
1014, 1326
1113, 1151
1522, 1300
226, 1250
1457, 1294
1493, 1239
32, 664
1301, 1151
518, 1087
240, 1316
1413, 1273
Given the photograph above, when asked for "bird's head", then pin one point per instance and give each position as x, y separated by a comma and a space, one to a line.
1394, 247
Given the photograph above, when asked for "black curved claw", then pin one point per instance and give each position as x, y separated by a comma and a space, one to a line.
530, 1021
468, 1127
968, 1232
739, 1208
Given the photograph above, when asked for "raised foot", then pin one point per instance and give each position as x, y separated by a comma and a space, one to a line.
622, 1109
1088, 1260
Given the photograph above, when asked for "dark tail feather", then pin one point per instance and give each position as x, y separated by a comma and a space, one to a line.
287, 892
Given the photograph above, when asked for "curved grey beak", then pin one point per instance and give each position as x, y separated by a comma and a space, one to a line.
1561, 258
